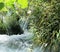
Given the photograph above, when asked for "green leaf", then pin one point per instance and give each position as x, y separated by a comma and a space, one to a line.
23, 3
1, 5
1, 0
9, 2
4, 9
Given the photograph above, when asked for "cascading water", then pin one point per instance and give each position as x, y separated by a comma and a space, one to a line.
19, 43
24, 23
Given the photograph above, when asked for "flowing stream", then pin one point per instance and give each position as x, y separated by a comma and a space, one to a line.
18, 43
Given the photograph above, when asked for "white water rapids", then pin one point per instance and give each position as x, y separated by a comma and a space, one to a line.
18, 43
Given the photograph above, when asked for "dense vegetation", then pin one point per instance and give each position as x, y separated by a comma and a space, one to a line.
43, 19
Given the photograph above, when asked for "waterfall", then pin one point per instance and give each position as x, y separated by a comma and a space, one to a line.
19, 43
24, 23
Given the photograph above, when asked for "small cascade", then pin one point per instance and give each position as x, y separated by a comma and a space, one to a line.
24, 23
19, 43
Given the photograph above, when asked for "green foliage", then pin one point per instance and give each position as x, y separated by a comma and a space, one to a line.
2, 28
23, 3
9, 2
1, 5
46, 22
13, 3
